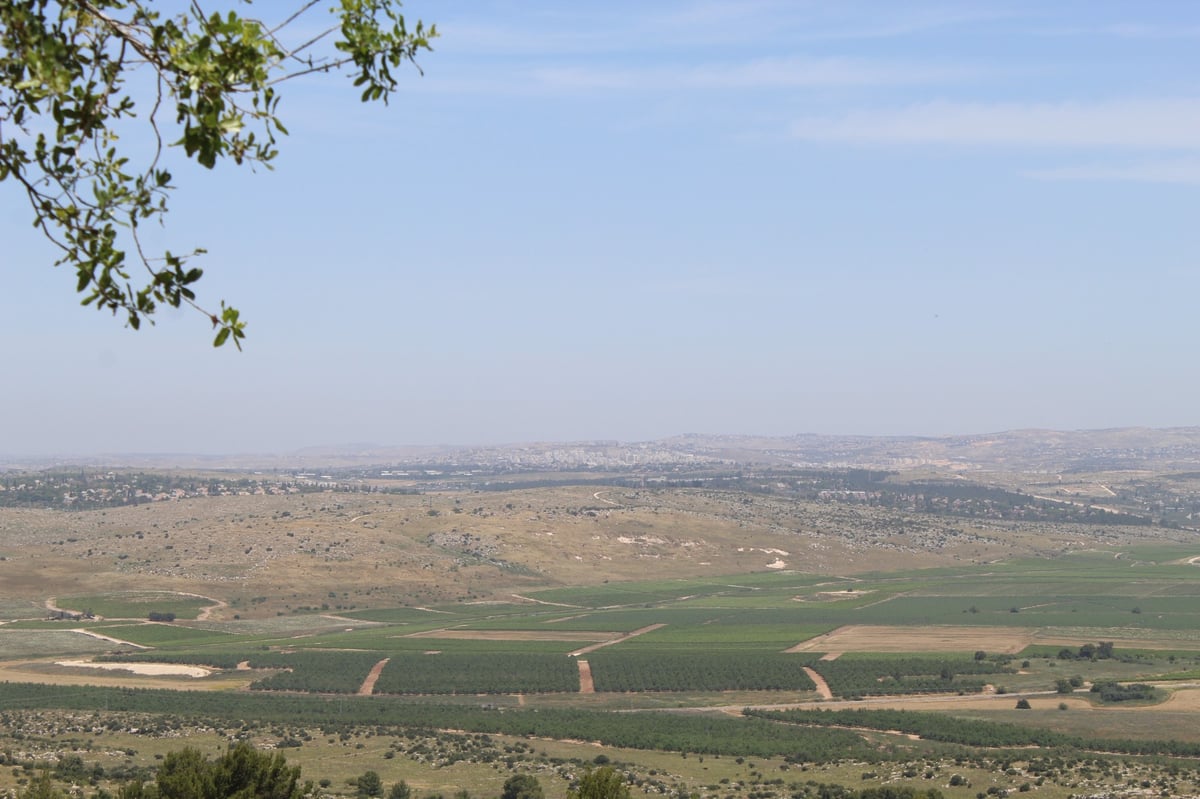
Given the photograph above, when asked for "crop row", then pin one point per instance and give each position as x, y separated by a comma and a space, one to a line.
327, 671
884, 676
672, 732
498, 673
972, 732
713, 671
314, 671
806, 735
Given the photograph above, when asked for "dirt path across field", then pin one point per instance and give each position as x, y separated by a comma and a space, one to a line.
368, 686
110, 639
819, 681
544, 602
586, 686
205, 614
343, 619
649, 628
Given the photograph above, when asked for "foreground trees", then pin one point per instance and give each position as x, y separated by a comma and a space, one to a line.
75, 78
522, 786
601, 783
241, 773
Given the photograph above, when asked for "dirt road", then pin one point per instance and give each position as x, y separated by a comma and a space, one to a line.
586, 686
368, 686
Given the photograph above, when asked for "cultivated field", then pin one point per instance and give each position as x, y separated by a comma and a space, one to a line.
317, 616
865, 638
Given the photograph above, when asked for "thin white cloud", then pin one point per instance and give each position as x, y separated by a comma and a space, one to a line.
767, 73
1163, 124
671, 26
1129, 30
1181, 171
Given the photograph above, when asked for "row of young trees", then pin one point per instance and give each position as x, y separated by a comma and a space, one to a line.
671, 732
318, 671
858, 677
974, 732
701, 671
494, 673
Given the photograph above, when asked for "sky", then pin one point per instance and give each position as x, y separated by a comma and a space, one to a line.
630, 220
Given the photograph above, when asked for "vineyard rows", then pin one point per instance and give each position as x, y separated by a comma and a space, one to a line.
714, 671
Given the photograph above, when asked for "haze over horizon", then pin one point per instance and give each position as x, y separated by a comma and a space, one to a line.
1180, 446
623, 221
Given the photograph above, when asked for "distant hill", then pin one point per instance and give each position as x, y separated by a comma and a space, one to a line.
1051, 451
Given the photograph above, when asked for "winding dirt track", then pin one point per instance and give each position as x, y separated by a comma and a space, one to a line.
205, 614
368, 685
649, 628
819, 681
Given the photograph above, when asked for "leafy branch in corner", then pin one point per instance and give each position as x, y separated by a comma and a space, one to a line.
68, 88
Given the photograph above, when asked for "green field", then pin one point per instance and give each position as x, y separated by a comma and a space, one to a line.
697, 630
680, 659
135, 604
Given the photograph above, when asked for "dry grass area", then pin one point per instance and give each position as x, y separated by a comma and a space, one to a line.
1126, 637
41, 671
47, 643
267, 555
150, 669
873, 638
1181, 699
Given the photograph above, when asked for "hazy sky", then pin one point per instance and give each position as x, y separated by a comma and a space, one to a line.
635, 219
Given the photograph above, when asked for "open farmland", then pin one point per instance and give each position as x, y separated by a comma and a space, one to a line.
498, 611
746, 626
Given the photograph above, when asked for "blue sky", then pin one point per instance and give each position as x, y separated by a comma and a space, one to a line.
630, 220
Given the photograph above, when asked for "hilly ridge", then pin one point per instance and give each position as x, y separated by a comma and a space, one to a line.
1030, 450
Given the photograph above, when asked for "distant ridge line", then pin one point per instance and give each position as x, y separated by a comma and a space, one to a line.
1031, 449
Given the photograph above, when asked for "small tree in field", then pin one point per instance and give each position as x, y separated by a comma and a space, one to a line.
522, 786
369, 784
601, 783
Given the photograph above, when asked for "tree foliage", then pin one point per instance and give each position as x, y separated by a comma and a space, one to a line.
241, 773
369, 783
522, 786
77, 77
600, 783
